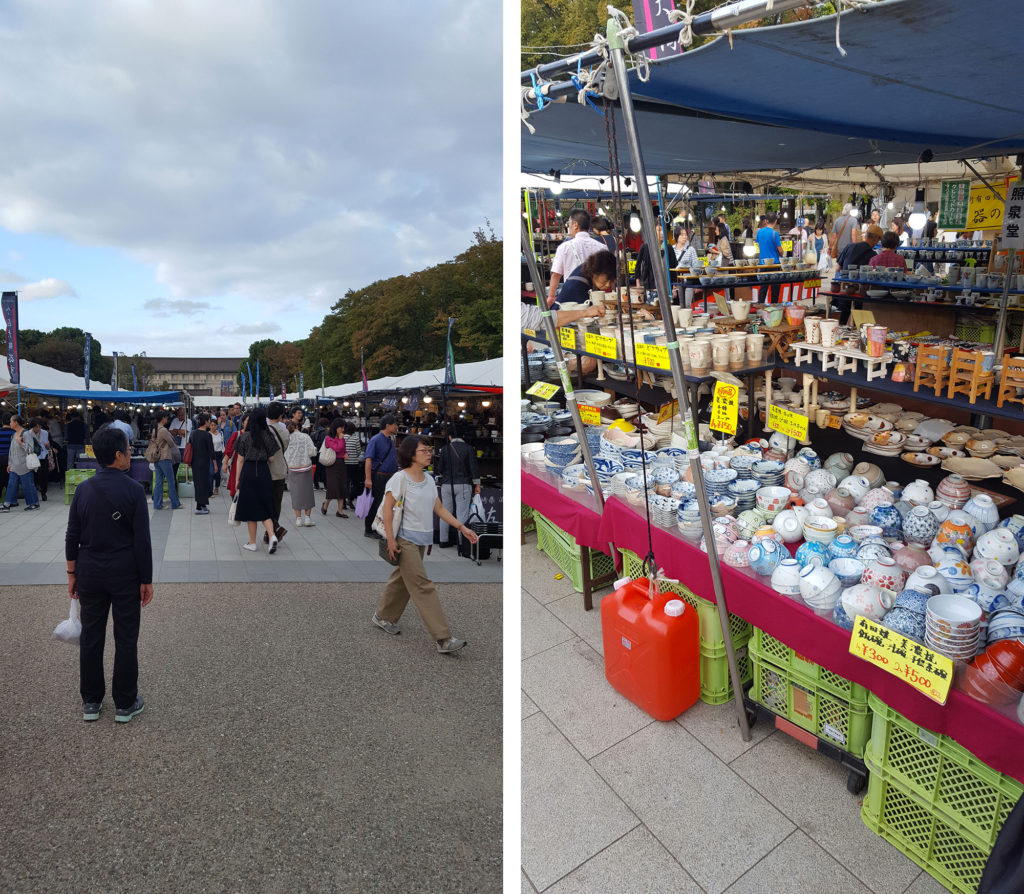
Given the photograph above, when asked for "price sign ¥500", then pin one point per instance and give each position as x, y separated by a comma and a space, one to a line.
787, 422
923, 668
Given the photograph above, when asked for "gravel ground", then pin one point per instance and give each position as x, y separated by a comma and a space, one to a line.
286, 745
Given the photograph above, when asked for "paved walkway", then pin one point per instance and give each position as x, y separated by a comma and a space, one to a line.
614, 801
199, 548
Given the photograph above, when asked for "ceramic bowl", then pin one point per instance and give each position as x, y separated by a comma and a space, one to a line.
848, 571
1000, 545
867, 600
909, 624
812, 553
843, 547
786, 578
820, 530
861, 533
913, 600
765, 556
773, 499
954, 614
737, 555
819, 587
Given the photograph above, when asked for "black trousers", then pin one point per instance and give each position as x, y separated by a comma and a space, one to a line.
356, 480
278, 497
379, 483
96, 599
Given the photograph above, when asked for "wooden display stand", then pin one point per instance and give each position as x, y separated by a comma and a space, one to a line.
966, 376
780, 339
843, 360
931, 368
1013, 378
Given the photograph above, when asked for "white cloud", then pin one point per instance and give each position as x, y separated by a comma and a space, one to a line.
45, 288
280, 153
166, 307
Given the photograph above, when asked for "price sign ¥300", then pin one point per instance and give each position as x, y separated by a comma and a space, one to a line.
926, 670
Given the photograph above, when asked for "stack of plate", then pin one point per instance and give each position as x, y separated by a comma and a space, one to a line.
716, 483
593, 398
886, 443
683, 491
743, 463
865, 426
769, 472
617, 485
953, 626
664, 510
745, 492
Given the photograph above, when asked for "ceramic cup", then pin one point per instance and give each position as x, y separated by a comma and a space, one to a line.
812, 327
755, 348
828, 329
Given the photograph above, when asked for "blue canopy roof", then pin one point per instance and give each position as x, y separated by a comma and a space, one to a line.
117, 397
918, 74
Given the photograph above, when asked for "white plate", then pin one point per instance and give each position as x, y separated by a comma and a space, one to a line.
921, 460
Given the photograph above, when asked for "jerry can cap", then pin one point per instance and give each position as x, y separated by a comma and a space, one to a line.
675, 607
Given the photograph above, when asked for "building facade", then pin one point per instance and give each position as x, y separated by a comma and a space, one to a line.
200, 376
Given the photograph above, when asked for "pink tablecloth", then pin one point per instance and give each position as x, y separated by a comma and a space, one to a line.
579, 515
993, 738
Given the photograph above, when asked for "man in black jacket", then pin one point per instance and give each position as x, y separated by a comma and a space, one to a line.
460, 480
110, 566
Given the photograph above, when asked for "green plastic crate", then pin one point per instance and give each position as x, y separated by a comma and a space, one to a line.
938, 846
563, 550
779, 654
711, 639
72, 478
971, 328
802, 701
715, 685
943, 775
527, 516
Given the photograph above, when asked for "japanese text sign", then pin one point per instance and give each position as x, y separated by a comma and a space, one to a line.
1013, 217
668, 411
985, 211
543, 390
787, 422
567, 337
923, 668
725, 408
530, 332
601, 345
589, 415
953, 204
655, 356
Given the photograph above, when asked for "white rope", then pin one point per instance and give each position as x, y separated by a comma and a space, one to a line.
853, 4
686, 17
526, 93
641, 64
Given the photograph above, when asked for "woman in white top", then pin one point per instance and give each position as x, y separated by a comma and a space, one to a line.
218, 454
416, 490
42, 474
299, 456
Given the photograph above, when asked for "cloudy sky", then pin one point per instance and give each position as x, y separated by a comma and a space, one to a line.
185, 177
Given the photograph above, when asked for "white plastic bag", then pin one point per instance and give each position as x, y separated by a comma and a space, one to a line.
477, 503
70, 629
232, 508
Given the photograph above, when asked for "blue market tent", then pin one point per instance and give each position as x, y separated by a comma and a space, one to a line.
918, 74
120, 397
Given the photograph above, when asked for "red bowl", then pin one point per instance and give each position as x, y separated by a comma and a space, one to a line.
982, 688
1008, 656
991, 670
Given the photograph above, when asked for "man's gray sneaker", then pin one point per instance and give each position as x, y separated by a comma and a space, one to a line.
449, 645
123, 715
91, 710
386, 626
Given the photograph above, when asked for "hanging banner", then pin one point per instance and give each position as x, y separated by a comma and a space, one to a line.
113, 374
301, 384
650, 15
954, 202
135, 384
1012, 236
985, 211
923, 668
725, 408
9, 303
88, 358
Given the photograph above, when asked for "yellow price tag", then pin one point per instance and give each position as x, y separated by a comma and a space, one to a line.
787, 244
589, 415
787, 422
567, 337
923, 668
602, 345
725, 408
835, 421
530, 332
543, 390
655, 356
812, 283
668, 411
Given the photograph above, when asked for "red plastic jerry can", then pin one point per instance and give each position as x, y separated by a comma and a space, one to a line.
651, 649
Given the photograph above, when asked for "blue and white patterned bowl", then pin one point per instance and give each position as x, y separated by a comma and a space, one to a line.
662, 475
812, 553
607, 467
683, 490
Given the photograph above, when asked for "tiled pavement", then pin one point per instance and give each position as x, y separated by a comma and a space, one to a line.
613, 801
204, 548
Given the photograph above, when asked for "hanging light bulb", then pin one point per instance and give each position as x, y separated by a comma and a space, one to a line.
889, 206
485, 404
918, 217
634, 221
405, 400
346, 403
749, 249
462, 404
428, 399
556, 186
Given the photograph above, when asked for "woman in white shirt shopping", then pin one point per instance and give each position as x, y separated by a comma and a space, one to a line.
415, 531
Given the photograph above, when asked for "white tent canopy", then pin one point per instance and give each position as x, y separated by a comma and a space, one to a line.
35, 376
482, 372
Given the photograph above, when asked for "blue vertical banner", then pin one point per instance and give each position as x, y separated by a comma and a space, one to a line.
242, 377
302, 385
257, 391
88, 358
135, 384
113, 374
449, 358
248, 367
9, 302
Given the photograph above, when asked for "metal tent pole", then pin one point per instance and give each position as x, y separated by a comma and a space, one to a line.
563, 373
688, 414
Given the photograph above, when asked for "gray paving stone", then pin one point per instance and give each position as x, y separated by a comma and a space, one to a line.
798, 864
539, 578
540, 629
528, 707
567, 683
717, 728
569, 813
706, 816
925, 884
586, 624
811, 790
636, 862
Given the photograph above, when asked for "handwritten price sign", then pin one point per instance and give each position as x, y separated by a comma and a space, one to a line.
725, 408
602, 345
812, 283
787, 422
530, 333
567, 337
543, 390
589, 415
668, 411
924, 669
654, 356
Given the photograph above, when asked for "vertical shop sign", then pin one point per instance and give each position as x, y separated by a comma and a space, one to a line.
953, 204
650, 15
9, 303
1012, 235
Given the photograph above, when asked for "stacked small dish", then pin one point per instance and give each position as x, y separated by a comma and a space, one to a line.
769, 472
664, 511
562, 452
717, 481
745, 493
953, 626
